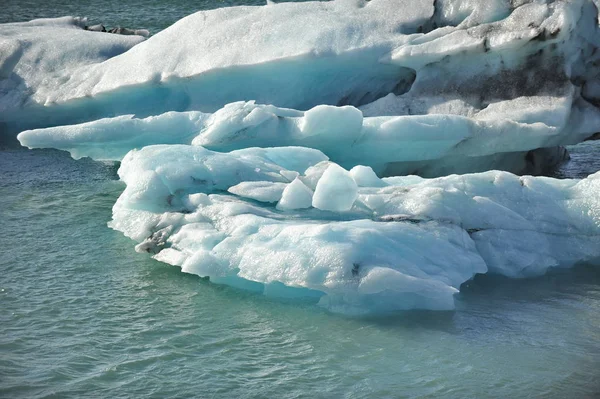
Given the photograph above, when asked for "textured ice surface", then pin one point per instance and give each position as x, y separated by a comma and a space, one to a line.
364, 244
383, 143
488, 71
39, 58
307, 104
112, 138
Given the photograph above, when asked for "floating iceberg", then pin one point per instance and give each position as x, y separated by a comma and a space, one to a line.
440, 87
308, 105
288, 222
391, 145
39, 58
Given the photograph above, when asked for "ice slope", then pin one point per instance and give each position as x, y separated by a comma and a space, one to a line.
287, 222
40, 57
320, 52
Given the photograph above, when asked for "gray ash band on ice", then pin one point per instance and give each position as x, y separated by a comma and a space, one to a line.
118, 30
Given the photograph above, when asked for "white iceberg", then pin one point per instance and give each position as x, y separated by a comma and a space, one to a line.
39, 58
403, 243
488, 80
307, 104
434, 144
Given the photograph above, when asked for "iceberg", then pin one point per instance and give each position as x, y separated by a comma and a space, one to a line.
390, 145
441, 87
296, 149
288, 222
40, 57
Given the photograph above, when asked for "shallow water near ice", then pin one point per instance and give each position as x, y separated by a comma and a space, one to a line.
83, 313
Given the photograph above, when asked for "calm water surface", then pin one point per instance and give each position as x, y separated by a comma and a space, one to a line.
154, 15
83, 315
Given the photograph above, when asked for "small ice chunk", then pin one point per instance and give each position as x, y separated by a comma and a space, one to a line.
336, 190
313, 174
96, 28
295, 196
365, 177
343, 122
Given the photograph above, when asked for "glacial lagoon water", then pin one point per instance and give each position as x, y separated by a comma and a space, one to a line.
153, 15
83, 315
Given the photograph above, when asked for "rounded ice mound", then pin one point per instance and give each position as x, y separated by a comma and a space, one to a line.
364, 176
334, 122
408, 243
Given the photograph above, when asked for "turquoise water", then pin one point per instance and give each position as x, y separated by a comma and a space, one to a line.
83, 315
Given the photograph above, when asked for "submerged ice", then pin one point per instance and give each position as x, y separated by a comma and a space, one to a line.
262, 218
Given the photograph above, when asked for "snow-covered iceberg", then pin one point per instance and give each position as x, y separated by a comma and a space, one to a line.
38, 60
488, 80
288, 222
300, 55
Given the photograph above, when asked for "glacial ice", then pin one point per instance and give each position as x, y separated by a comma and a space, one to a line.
401, 243
295, 196
111, 138
255, 141
383, 143
476, 83
40, 57
335, 190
